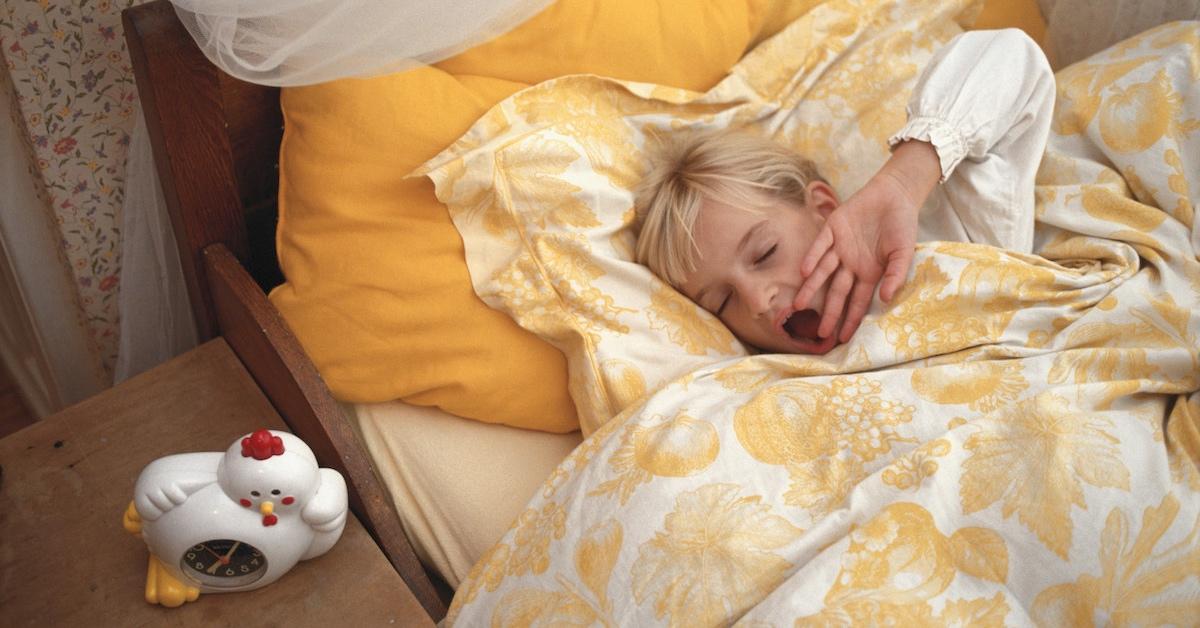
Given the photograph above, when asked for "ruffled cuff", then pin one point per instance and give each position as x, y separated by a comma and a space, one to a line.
950, 145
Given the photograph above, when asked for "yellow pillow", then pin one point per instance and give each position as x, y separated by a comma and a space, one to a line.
541, 188
377, 287
1022, 14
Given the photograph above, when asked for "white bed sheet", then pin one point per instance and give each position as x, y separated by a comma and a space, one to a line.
457, 484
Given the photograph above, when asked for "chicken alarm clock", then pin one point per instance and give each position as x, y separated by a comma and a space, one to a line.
234, 521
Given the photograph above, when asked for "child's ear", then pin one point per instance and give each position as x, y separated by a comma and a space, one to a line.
821, 198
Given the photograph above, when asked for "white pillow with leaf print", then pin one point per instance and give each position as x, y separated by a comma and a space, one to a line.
540, 187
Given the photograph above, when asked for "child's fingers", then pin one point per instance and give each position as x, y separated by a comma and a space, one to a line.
829, 263
835, 300
895, 274
816, 251
860, 302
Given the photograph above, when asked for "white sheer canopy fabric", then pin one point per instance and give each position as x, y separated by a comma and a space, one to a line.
156, 316
301, 42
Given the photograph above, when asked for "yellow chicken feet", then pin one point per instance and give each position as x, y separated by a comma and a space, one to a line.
163, 588
132, 520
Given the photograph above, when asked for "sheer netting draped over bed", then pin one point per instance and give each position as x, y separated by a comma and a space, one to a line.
301, 42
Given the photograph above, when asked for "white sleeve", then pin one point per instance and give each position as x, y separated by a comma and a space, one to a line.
981, 87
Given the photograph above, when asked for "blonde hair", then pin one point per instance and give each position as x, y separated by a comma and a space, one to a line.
725, 166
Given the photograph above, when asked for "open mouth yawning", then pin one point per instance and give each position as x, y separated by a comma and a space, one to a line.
801, 330
802, 326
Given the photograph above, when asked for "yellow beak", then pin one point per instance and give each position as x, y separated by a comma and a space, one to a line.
266, 508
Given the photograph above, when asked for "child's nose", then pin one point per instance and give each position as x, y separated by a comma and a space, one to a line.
760, 296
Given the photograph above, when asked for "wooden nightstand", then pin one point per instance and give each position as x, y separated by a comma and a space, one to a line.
65, 559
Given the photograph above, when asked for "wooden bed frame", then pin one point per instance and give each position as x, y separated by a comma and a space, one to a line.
216, 149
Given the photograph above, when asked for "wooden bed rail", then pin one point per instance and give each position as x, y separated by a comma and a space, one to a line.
256, 332
216, 149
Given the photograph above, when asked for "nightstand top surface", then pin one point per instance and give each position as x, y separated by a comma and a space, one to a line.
66, 481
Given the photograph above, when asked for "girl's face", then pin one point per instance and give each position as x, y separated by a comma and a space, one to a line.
748, 270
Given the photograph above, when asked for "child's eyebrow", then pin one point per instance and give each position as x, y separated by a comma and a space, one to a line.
750, 234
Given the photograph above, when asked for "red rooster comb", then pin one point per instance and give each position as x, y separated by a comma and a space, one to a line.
262, 445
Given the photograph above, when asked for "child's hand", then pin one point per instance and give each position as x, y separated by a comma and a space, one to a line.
870, 239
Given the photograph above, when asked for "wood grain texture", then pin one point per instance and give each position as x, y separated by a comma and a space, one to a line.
215, 141
259, 336
66, 481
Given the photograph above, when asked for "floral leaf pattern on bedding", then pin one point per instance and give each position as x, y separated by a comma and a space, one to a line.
624, 381
925, 323
896, 563
712, 558
987, 612
678, 447
1135, 117
596, 557
821, 485
580, 116
1006, 277
1140, 579
535, 529
1183, 441
1079, 94
799, 421
1033, 458
571, 605
526, 178
989, 449
1182, 209
980, 552
676, 316
982, 386
527, 607
911, 470
1106, 204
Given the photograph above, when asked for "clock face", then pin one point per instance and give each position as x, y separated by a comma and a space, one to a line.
223, 563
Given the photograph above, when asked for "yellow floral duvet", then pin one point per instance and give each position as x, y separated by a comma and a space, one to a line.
1014, 441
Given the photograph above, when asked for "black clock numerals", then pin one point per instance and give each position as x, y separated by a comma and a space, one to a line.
223, 563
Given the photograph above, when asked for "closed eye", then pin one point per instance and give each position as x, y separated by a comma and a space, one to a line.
724, 302
762, 258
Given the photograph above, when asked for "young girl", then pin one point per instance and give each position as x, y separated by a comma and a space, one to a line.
749, 231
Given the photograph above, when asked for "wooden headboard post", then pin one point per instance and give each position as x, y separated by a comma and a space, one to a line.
216, 149
202, 175
216, 146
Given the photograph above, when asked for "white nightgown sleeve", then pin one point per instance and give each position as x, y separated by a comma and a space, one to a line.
985, 102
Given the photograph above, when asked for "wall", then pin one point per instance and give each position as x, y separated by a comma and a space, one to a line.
75, 102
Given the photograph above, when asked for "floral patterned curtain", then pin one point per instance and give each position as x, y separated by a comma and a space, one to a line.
75, 102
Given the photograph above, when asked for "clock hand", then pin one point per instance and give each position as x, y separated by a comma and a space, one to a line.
223, 560
213, 567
